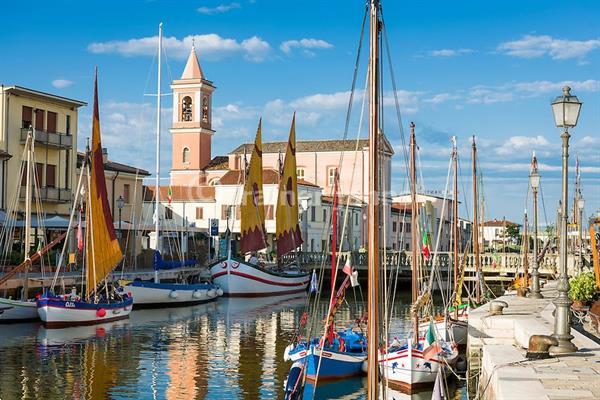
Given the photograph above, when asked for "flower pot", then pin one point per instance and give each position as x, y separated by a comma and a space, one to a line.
579, 305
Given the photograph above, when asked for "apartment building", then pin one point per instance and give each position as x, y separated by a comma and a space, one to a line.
53, 120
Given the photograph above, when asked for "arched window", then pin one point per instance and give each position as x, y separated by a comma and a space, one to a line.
186, 155
186, 109
205, 109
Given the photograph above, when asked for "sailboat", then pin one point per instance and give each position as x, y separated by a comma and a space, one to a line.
100, 301
241, 278
415, 361
154, 293
335, 355
25, 309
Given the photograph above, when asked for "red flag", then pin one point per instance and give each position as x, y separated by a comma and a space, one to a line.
79, 233
432, 351
347, 267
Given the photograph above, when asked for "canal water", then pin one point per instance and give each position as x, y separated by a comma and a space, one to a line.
229, 349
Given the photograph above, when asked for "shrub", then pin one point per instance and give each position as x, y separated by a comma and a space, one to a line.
583, 287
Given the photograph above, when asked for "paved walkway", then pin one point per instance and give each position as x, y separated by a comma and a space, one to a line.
497, 345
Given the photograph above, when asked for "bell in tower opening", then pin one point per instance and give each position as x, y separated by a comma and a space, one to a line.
205, 109
186, 109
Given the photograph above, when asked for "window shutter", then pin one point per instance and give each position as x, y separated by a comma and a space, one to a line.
199, 213
51, 124
39, 120
50, 175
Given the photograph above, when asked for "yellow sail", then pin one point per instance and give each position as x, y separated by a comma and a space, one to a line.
287, 231
103, 252
252, 208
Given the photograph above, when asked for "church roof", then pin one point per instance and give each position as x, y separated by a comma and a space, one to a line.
192, 68
309, 146
217, 163
234, 177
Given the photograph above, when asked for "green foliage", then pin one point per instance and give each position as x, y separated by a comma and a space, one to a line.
583, 287
513, 232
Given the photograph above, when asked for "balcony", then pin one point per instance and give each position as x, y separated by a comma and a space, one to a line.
57, 140
51, 194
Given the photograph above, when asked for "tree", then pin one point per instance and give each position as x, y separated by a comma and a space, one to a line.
513, 233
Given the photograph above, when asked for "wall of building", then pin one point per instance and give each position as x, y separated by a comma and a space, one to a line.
64, 160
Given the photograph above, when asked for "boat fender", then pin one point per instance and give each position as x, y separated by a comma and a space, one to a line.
101, 313
212, 293
286, 352
173, 294
197, 294
219, 292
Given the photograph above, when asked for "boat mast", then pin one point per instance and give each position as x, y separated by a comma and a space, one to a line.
27, 239
476, 226
414, 226
455, 218
157, 184
373, 208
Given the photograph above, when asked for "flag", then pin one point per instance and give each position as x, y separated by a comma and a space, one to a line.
314, 283
432, 351
438, 387
354, 278
430, 335
425, 249
252, 212
347, 267
79, 233
170, 194
287, 231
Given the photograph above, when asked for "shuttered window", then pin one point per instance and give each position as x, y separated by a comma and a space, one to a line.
199, 213
269, 212
51, 123
39, 119
39, 172
126, 190
51, 175
26, 115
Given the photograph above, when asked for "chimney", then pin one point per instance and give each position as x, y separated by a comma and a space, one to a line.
104, 155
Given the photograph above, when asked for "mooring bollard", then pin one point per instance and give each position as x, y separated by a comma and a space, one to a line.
539, 345
497, 306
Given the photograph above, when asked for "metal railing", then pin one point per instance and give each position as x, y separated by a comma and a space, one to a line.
60, 140
51, 194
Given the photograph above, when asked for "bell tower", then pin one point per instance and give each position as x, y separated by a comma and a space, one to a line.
192, 124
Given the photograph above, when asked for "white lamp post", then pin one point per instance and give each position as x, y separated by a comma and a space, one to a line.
566, 113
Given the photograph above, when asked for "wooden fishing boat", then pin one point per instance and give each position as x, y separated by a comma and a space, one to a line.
240, 278
101, 302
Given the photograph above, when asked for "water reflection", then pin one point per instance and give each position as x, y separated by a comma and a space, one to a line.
230, 349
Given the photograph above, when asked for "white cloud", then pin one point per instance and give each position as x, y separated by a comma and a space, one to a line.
305, 44
61, 83
209, 46
523, 144
220, 9
534, 46
449, 52
442, 98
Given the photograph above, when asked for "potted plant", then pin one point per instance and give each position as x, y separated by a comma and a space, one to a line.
583, 289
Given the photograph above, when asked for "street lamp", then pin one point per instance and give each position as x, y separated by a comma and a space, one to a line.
566, 113
120, 205
534, 181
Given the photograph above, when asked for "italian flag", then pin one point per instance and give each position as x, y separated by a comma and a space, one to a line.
170, 194
425, 248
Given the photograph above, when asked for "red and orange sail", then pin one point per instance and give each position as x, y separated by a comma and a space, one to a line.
287, 231
253, 209
103, 252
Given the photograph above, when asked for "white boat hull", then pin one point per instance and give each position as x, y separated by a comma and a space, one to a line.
239, 279
409, 369
171, 295
17, 311
59, 314
454, 331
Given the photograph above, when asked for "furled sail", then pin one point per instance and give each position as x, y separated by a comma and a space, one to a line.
103, 252
252, 208
287, 231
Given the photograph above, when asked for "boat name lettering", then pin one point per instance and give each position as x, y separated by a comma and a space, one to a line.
69, 304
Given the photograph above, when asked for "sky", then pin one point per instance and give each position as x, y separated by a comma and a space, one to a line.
488, 69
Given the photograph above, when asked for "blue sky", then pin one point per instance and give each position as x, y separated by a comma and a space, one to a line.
461, 68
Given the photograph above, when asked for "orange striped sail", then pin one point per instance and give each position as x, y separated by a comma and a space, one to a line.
103, 252
287, 231
253, 209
